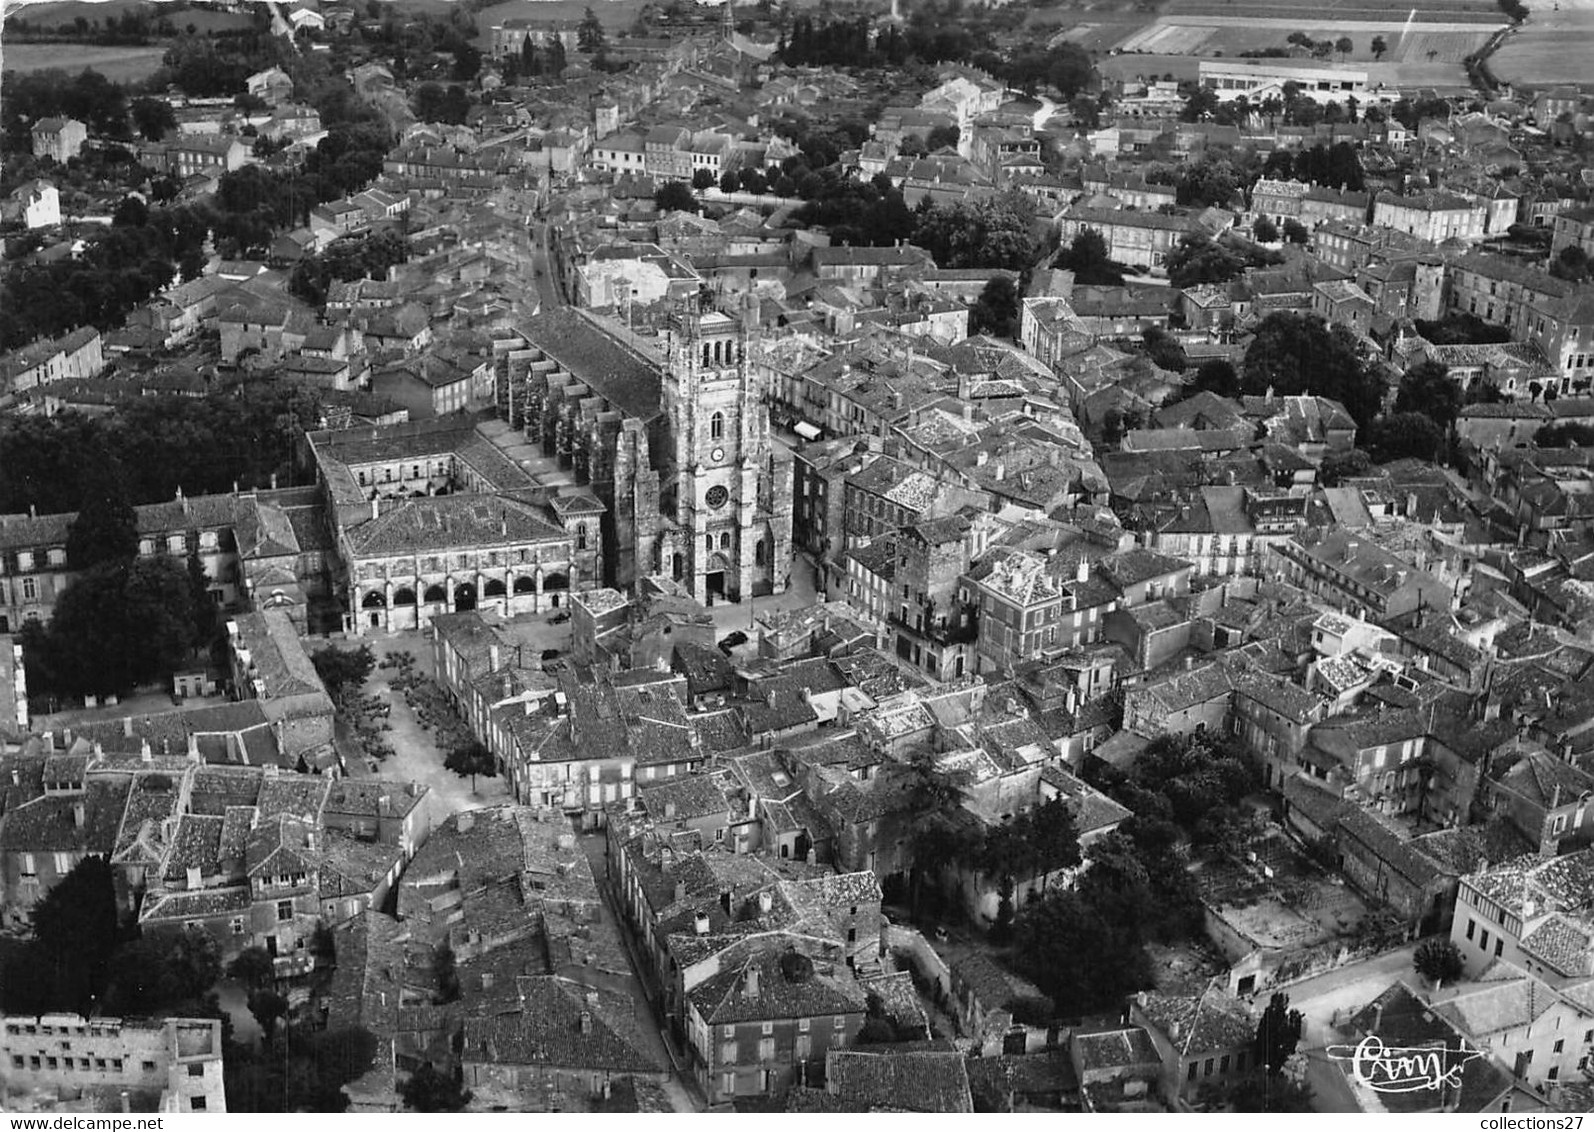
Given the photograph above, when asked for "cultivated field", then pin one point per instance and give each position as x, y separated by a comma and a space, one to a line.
1556, 45
1336, 11
119, 64
1213, 36
617, 15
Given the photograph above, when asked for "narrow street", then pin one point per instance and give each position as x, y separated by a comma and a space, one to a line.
680, 1088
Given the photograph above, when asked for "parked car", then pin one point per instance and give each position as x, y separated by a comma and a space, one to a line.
560, 617
550, 654
731, 641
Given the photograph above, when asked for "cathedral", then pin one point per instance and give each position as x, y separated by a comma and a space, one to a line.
672, 436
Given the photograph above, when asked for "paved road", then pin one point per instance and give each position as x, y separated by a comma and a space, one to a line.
1348, 989
1337, 994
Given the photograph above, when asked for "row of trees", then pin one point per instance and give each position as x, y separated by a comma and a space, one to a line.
202, 445
117, 271
1336, 166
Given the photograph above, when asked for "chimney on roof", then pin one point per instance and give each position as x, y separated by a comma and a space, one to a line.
766, 901
586, 1021
193, 745
144, 751
79, 814
376, 506
700, 923
127, 726
493, 657
127, 1101
750, 983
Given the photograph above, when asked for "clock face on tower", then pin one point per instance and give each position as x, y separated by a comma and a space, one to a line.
716, 497
717, 455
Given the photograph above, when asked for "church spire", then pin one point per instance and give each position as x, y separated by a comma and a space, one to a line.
729, 21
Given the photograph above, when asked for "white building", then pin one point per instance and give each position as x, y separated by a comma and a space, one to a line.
1259, 79
162, 1065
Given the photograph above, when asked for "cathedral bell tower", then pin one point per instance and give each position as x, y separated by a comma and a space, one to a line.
727, 541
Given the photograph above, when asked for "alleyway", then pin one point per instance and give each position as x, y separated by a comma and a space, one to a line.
679, 1088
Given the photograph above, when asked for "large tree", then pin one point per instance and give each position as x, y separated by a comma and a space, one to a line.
992, 232
1438, 960
590, 36
1217, 375
1278, 1033
154, 118
428, 1090
472, 759
119, 626
106, 526
343, 671
940, 831
996, 310
1087, 257
1199, 260
156, 975
1401, 436
676, 196
1427, 388
1301, 353
75, 932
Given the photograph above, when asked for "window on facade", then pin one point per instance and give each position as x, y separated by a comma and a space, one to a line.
1191, 1076
581, 536
196, 1104
1499, 947
766, 1049
29, 590
1206, 1068
147, 1066
1559, 1045
716, 426
1483, 940
284, 910
28, 869
1472, 926
708, 542
728, 1084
